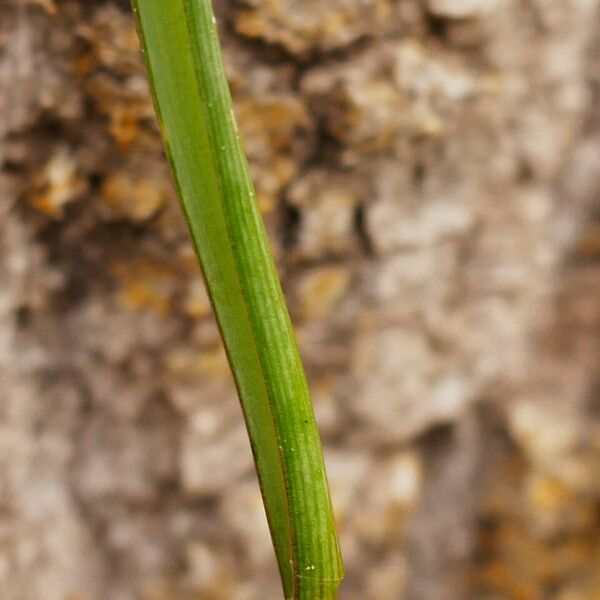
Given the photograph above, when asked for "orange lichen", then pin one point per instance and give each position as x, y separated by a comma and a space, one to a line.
124, 127
538, 536
589, 243
136, 200
48, 5
197, 303
145, 285
269, 126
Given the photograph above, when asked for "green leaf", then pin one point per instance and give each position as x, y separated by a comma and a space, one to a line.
184, 63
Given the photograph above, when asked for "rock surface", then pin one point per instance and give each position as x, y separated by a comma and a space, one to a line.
429, 174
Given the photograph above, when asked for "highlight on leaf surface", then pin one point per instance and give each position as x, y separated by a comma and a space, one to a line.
193, 103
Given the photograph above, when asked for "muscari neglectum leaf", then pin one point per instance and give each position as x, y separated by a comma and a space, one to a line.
193, 103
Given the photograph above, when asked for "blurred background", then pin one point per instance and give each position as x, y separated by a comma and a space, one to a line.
429, 171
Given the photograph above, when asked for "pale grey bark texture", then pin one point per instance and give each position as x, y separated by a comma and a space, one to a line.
430, 174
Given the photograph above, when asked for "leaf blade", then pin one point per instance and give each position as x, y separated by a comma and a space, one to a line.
209, 167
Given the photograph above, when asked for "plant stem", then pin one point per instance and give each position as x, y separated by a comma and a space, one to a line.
193, 103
